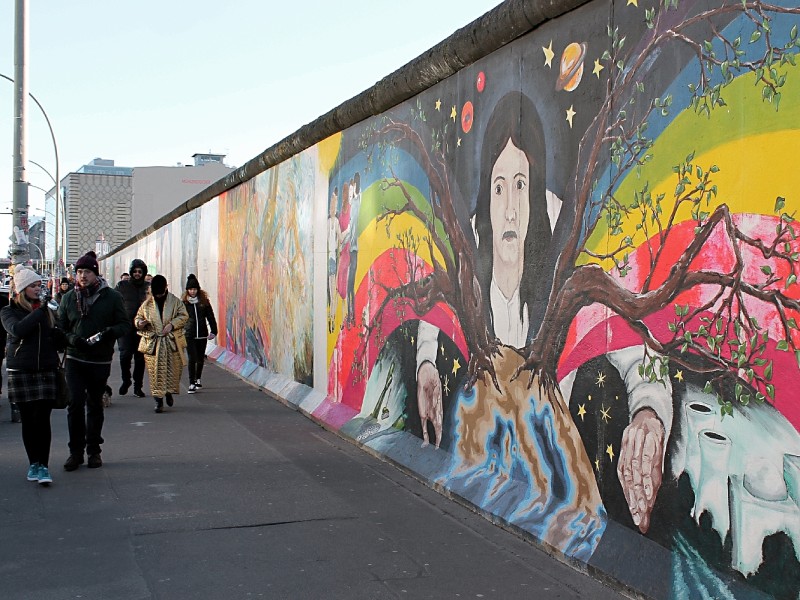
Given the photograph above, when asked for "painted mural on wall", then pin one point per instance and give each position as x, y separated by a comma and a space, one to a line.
265, 268
570, 270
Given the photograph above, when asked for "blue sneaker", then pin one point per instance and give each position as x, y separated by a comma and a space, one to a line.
33, 472
44, 475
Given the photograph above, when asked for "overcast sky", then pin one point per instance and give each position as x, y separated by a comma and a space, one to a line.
151, 82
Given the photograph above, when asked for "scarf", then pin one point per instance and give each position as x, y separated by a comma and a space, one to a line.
87, 296
194, 300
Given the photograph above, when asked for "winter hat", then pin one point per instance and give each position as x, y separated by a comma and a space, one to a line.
191, 282
138, 263
65, 280
88, 261
158, 285
23, 277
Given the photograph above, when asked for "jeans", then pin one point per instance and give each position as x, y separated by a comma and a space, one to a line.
128, 352
36, 435
86, 383
196, 351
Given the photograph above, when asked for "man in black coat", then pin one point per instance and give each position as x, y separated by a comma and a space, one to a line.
93, 317
134, 292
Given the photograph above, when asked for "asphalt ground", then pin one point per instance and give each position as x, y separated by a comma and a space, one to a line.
230, 494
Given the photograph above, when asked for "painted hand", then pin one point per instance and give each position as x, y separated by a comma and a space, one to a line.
640, 466
429, 400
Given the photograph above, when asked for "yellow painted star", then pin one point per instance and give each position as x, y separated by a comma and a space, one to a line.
441, 349
458, 143
634, 2
570, 113
438, 104
597, 68
679, 375
601, 379
548, 55
412, 340
446, 384
456, 366
589, 397
610, 451
605, 413
453, 113
597, 463
581, 411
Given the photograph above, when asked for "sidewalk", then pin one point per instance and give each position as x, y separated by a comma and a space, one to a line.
232, 495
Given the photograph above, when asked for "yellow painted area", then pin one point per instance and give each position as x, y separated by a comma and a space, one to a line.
372, 243
752, 144
328, 150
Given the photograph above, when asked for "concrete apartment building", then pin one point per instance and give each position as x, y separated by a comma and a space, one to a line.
107, 203
158, 190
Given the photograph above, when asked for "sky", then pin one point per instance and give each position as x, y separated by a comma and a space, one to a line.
151, 83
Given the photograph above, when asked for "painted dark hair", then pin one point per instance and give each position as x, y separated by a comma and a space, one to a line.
515, 118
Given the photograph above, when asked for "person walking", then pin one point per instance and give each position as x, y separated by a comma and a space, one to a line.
160, 321
201, 327
33, 343
93, 316
63, 287
134, 291
4, 300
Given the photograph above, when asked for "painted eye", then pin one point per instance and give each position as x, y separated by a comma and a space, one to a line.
521, 184
498, 189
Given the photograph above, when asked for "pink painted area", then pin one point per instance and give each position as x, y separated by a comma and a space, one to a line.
334, 414
597, 330
346, 383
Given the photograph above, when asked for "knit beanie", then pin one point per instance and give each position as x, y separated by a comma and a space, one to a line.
23, 277
191, 282
88, 261
158, 285
65, 280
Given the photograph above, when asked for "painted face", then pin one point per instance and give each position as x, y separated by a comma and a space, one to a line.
33, 291
192, 292
85, 277
509, 207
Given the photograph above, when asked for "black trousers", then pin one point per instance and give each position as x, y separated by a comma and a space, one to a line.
127, 354
36, 435
196, 352
86, 383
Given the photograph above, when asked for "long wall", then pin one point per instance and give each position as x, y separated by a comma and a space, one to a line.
559, 284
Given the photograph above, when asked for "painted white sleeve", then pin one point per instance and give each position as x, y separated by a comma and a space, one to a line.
641, 392
427, 342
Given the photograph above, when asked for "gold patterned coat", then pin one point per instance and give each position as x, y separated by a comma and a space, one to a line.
164, 354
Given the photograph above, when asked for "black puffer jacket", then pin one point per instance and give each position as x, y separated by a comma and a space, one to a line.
107, 316
196, 327
32, 341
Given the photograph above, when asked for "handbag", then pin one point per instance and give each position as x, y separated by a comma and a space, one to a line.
62, 393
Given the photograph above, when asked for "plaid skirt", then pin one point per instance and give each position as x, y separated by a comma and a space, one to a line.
28, 386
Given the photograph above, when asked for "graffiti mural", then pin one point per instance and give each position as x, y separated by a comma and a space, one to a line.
565, 268
265, 268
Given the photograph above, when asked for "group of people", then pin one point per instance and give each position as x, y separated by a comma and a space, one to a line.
155, 330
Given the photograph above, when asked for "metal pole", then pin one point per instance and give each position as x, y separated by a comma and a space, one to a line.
19, 243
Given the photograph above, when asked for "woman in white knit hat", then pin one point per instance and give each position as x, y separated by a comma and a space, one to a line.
32, 360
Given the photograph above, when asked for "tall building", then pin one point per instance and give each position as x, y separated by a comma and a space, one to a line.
97, 200
159, 190
106, 202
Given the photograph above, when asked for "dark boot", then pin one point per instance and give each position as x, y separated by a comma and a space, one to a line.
15, 416
159, 405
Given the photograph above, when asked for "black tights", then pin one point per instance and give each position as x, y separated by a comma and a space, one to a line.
36, 430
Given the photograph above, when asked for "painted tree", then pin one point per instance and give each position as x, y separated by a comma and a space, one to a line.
720, 338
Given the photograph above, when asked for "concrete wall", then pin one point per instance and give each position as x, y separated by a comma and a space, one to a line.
559, 285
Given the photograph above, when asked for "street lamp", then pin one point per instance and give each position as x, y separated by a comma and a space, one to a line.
55, 150
41, 256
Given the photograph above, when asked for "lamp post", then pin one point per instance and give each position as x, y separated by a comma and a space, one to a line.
56, 231
41, 256
55, 179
